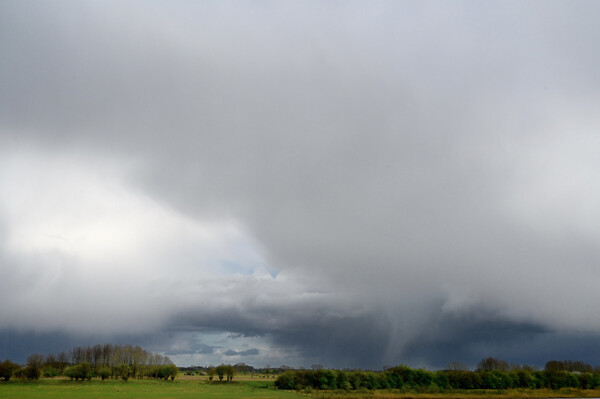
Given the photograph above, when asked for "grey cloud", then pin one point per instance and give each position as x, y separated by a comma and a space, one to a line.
201, 349
249, 352
420, 172
516, 343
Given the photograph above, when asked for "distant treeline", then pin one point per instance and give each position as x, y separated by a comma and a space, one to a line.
238, 368
490, 374
87, 362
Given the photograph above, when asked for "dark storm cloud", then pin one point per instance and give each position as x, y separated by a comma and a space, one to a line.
311, 331
516, 343
17, 345
201, 349
421, 178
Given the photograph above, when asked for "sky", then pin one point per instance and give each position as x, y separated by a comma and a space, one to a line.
353, 184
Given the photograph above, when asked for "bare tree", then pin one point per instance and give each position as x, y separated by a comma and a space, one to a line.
491, 363
457, 366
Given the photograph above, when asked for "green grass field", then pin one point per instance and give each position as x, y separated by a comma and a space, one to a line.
200, 388
178, 389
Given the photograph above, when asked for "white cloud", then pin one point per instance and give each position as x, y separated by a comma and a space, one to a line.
81, 241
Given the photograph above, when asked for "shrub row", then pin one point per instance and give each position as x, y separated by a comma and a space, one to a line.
403, 377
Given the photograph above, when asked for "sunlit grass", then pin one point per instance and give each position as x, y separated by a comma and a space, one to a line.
180, 388
200, 388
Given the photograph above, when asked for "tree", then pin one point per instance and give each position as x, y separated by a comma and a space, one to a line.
7, 369
36, 360
86, 370
77, 355
224, 370
229, 372
457, 366
81, 371
124, 371
31, 373
491, 363
327, 379
33, 370
107, 351
581, 367
52, 366
104, 373
244, 368
96, 360
50, 372
220, 371
211, 373
522, 378
286, 380
62, 360
554, 365
20, 373
71, 372
168, 371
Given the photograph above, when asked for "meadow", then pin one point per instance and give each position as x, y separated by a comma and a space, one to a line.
178, 389
183, 388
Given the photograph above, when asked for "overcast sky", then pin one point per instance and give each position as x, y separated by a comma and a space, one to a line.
355, 184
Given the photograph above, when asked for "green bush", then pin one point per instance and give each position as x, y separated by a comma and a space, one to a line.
285, 380
104, 373
123, 371
168, 371
80, 371
50, 372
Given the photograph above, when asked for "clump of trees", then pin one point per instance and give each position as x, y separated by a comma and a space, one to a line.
164, 372
87, 362
80, 371
32, 370
119, 361
490, 374
223, 371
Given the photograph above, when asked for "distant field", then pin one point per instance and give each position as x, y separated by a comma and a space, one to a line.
190, 387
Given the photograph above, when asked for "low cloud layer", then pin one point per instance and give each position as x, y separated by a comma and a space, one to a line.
347, 184
248, 352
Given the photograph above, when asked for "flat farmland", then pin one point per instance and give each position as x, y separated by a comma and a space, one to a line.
244, 387
178, 389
